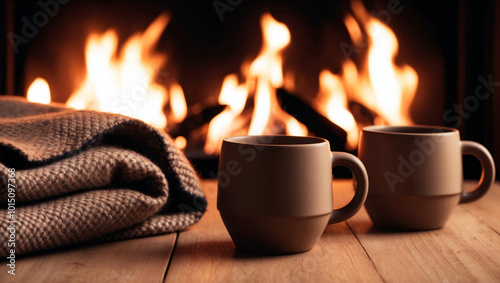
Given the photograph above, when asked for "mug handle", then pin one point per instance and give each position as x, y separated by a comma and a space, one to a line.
358, 169
487, 170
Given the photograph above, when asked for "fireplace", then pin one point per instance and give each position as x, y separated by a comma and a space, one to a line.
315, 65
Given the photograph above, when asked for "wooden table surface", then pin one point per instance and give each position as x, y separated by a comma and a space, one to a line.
467, 249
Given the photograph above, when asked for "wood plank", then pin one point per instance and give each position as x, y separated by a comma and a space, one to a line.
487, 209
205, 253
464, 250
136, 260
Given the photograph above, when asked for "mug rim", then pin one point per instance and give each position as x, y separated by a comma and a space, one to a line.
415, 130
299, 140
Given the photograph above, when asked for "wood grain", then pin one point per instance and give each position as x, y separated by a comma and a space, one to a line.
487, 209
464, 250
137, 260
205, 253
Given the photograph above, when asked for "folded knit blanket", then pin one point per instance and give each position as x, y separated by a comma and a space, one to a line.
69, 176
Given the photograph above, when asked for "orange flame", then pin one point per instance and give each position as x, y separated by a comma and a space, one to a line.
264, 76
391, 88
178, 105
39, 91
266, 72
380, 85
125, 84
234, 96
333, 102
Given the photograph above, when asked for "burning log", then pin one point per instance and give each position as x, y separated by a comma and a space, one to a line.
315, 122
199, 114
362, 114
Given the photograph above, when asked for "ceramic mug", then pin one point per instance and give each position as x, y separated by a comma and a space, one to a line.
416, 174
275, 192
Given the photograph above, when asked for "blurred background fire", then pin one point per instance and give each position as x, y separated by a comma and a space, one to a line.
205, 70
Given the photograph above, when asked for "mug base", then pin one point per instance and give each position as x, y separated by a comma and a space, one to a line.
404, 212
273, 236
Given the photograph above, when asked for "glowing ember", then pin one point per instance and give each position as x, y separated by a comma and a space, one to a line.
180, 142
39, 91
125, 83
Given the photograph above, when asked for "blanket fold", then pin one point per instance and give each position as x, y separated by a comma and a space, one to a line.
84, 176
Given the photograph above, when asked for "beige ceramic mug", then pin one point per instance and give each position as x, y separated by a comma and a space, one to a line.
416, 174
275, 192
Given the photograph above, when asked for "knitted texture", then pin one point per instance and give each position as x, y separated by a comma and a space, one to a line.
89, 176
